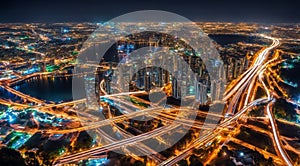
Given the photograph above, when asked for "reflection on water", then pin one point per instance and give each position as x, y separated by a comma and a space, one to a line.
55, 89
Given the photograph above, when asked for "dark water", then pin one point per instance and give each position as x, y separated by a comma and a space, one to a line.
224, 39
291, 75
56, 89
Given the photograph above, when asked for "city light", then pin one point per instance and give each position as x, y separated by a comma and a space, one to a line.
133, 103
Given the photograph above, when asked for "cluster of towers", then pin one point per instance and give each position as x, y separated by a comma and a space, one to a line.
187, 77
184, 81
235, 66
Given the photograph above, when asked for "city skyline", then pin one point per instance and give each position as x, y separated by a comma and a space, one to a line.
150, 87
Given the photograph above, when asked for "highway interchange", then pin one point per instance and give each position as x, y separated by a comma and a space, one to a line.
239, 95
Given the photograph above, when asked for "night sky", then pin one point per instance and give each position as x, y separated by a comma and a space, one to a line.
284, 11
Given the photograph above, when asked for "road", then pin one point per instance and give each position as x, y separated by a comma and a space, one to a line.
240, 92
239, 87
275, 131
212, 134
240, 95
116, 145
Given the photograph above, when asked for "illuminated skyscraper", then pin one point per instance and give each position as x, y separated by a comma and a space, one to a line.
147, 82
201, 92
235, 69
216, 90
176, 92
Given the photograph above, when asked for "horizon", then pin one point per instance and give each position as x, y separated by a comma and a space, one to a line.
149, 83
257, 11
99, 22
